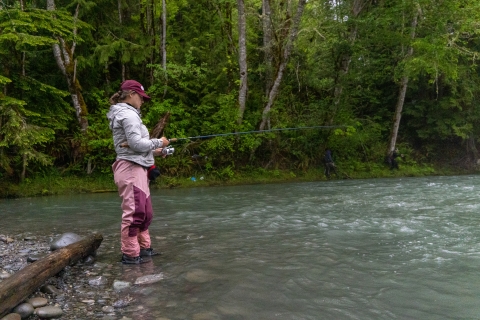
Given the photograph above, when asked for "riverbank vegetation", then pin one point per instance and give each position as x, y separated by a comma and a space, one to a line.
378, 75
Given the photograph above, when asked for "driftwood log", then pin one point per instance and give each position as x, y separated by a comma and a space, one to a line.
157, 131
19, 286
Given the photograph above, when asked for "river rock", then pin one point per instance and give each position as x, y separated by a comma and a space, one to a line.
198, 276
89, 260
4, 275
108, 309
50, 289
49, 312
148, 279
6, 239
38, 302
35, 257
12, 316
98, 281
64, 240
24, 310
120, 285
121, 303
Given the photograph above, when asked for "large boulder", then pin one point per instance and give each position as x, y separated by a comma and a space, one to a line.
64, 240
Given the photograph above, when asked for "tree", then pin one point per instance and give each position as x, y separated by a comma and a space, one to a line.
403, 83
292, 34
242, 59
64, 56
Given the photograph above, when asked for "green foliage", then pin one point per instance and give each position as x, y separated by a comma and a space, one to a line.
343, 71
19, 139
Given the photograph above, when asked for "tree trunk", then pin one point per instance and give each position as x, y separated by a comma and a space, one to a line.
164, 35
64, 58
19, 286
403, 91
242, 59
286, 55
267, 44
24, 168
119, 3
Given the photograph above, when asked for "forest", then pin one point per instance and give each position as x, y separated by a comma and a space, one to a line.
375, 74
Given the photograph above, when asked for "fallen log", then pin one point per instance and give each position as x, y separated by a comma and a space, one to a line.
15, 289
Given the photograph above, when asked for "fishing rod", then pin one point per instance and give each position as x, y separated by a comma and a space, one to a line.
168, 152
252, 131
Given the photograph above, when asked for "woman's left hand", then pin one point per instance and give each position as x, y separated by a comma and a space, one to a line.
158, 152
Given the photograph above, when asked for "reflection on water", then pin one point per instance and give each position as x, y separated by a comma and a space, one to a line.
345, 249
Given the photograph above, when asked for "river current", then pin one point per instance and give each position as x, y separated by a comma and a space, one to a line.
342, 249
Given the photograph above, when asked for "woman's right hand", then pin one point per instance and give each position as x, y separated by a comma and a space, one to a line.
165, 142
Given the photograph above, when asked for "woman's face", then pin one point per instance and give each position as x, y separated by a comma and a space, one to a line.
134, 99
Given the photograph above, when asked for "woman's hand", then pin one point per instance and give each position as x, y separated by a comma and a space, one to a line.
158, 152
165, 142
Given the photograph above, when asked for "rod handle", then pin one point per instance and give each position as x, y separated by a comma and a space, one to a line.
172, 140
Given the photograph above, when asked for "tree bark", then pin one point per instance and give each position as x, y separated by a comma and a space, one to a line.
64, 58
402, 91
267, 44
286, 55
164, 35
242, 59
19, 286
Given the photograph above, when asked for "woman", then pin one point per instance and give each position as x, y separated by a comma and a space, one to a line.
135, 154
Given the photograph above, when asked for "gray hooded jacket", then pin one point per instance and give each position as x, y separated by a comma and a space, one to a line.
127, 126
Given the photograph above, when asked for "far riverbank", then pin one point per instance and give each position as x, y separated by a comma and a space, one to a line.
58, 184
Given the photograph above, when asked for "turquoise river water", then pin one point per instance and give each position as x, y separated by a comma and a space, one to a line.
342, 249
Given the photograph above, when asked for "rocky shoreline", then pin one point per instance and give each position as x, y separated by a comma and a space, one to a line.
87, 290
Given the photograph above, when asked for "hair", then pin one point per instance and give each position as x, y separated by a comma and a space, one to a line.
119, 96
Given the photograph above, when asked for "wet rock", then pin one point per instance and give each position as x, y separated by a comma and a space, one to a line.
12, 316
108, 309
36, 257
24, 252
148, 279
89, 260
6, 239
37, 302
49, 312
198, 276
120, 285
122, 303
64, 240
50, 289
24, 310
97, 281
88, 301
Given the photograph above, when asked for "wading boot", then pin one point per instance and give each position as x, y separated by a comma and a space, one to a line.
132, 260
149, 252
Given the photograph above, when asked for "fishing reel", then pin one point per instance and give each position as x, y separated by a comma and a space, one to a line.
168, 151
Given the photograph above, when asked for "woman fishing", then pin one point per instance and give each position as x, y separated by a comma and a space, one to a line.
131, 167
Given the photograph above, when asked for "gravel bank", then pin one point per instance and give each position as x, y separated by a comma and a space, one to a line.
88, 289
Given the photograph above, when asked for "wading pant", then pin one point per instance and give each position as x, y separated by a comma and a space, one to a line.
132, 182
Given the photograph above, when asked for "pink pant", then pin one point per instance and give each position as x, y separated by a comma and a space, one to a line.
132, 182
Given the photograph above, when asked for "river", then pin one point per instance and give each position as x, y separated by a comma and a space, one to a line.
342, 249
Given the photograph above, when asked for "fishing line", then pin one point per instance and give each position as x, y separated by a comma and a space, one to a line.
252, 131
125, 144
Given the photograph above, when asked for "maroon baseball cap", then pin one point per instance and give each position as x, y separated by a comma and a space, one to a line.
135, 86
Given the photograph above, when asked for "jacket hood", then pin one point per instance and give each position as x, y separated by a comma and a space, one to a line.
116, 109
